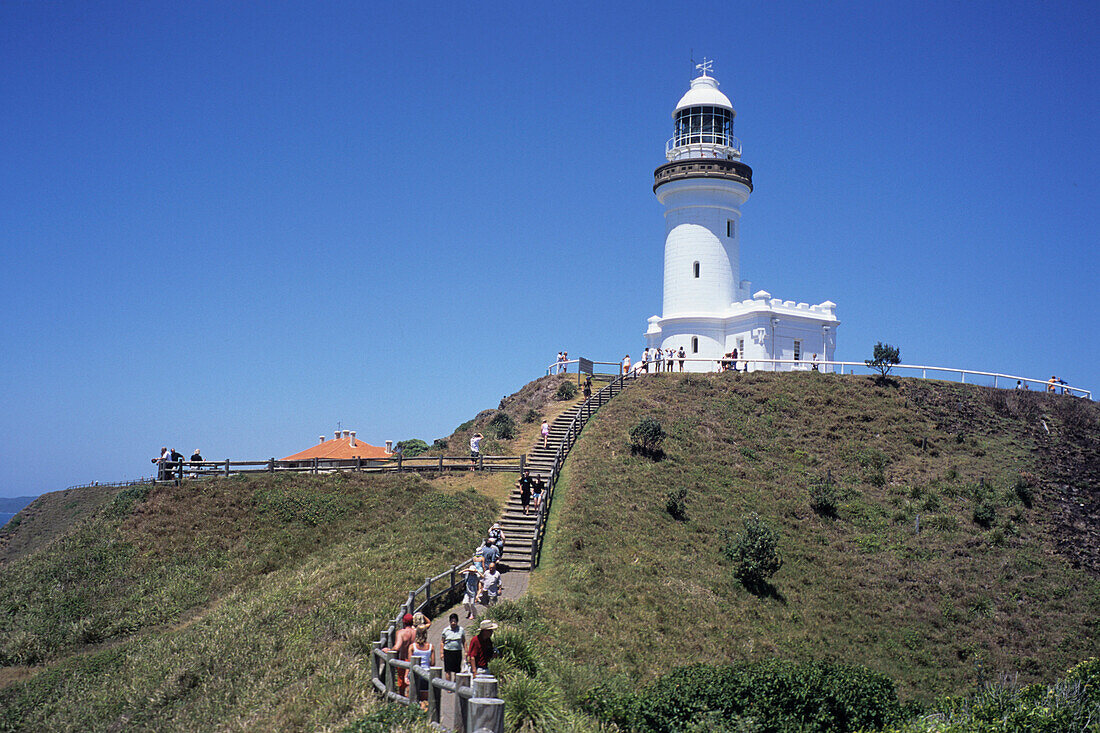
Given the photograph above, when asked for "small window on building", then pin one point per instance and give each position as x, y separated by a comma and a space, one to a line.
741, 347
797, 350
695, 344
731, 228
695, 269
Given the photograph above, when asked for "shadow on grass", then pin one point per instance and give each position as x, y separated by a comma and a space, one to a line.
763, 589
653, 454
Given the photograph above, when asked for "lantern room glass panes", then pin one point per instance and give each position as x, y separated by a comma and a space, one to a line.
704, 125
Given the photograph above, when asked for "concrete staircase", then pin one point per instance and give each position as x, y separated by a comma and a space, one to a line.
519, 530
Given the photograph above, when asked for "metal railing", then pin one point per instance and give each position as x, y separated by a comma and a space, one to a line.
993, 379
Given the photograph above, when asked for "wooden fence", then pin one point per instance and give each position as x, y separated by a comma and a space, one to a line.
178, 470
476, 703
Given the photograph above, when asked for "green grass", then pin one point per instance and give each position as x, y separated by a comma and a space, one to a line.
240, 603
627, 585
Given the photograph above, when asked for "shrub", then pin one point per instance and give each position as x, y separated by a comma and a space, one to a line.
1024, 491
985, 513
883, 358
532, 415
439, 444
756, 552
518, 650
385, 718
566, 391
781, 695
823, 498
412, 447
531, 704
676, 503
646, 438
502, 426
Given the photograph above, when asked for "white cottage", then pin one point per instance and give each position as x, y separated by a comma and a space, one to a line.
707, 308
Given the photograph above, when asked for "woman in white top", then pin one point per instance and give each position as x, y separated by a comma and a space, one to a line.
422, 654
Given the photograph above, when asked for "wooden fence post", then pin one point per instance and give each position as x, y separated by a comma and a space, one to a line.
226, 466
271, 465
400, 458
434, 673
462, 679
315, 466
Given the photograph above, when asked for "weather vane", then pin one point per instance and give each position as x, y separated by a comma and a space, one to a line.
706, 66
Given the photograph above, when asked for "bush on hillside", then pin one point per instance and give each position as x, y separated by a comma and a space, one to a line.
646, 438
532, 415
985, 512
676, 503
412, 447
883, 358
824, 499
566, 391
502, 426
756, 552
767, 696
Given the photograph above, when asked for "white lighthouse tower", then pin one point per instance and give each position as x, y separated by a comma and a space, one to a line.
707, 308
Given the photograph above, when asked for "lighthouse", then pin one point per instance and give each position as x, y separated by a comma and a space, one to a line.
707, 309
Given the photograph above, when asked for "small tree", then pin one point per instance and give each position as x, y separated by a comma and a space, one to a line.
756, 552
676, 503
646, 438
412, 447
885, 357
502, 426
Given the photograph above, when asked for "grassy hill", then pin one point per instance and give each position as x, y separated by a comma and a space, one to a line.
1001, 578
245, 603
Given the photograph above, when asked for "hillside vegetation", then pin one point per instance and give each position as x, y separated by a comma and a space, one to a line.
242, 603
1000, 578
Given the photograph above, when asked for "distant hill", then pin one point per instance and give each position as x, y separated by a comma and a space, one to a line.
1002, 577
9, 507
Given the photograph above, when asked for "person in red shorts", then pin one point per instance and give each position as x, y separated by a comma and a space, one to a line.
403, 639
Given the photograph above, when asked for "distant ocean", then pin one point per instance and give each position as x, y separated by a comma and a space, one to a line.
9, 507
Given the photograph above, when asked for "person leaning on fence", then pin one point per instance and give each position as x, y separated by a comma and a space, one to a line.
1051, 382
401, 643
681, 356
161, 460
453, 641
421, 654
475, 448
480, 651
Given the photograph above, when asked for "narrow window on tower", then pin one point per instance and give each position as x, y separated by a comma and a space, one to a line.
695, 269
695, 344
797, 350
731, 227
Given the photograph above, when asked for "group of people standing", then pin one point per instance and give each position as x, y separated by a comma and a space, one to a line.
411, 645
531, 489
483, 583
663, 360
562, 364
169, 460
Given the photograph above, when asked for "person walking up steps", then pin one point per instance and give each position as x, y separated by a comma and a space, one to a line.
525, 491
545, 433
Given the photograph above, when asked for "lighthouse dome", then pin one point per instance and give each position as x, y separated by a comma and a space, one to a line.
703, 93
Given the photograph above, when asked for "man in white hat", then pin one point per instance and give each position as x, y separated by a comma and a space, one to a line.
480, 650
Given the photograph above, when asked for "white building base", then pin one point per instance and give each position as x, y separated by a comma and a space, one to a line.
759, 328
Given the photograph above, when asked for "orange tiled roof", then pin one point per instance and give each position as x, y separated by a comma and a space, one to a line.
340, 448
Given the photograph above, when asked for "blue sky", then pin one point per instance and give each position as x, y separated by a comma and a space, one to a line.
230, 226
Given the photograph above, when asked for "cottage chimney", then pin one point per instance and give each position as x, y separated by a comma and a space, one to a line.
336, 435
347, 433
389, 446
352, 438
321, 438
